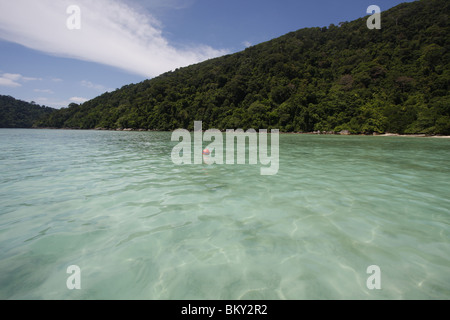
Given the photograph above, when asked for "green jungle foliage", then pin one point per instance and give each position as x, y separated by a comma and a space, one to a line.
345, 77
20, 114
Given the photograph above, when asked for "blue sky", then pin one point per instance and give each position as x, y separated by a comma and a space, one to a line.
126, 41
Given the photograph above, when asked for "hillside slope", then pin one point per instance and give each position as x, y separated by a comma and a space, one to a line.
333, 78
20, 114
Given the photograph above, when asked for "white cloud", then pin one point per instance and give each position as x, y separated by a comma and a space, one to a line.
54, 103
4, 82
78, 99
247, 44
13, 80
57, 80
97, 87
12, 76
91, 85
112, 33
31, 79
44, 91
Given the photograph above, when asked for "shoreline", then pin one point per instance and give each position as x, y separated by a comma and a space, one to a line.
318, 133
373, 135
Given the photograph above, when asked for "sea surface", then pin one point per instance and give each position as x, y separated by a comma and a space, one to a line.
140, 227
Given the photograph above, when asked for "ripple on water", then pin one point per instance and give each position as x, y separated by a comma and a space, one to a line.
138, 226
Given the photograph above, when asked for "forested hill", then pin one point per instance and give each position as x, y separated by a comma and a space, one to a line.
333, 78
20, 114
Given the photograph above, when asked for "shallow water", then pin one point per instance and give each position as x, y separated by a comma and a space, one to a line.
140, 227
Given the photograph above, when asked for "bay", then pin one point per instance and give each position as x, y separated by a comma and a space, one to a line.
140, 227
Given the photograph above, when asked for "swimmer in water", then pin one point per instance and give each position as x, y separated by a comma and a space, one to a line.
207, 156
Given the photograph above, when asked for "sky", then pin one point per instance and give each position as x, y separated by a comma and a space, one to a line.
56, 52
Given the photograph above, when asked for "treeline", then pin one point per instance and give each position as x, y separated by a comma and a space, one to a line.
20, 114
333, 78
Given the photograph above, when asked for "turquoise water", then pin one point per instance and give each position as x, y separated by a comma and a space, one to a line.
140, 227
